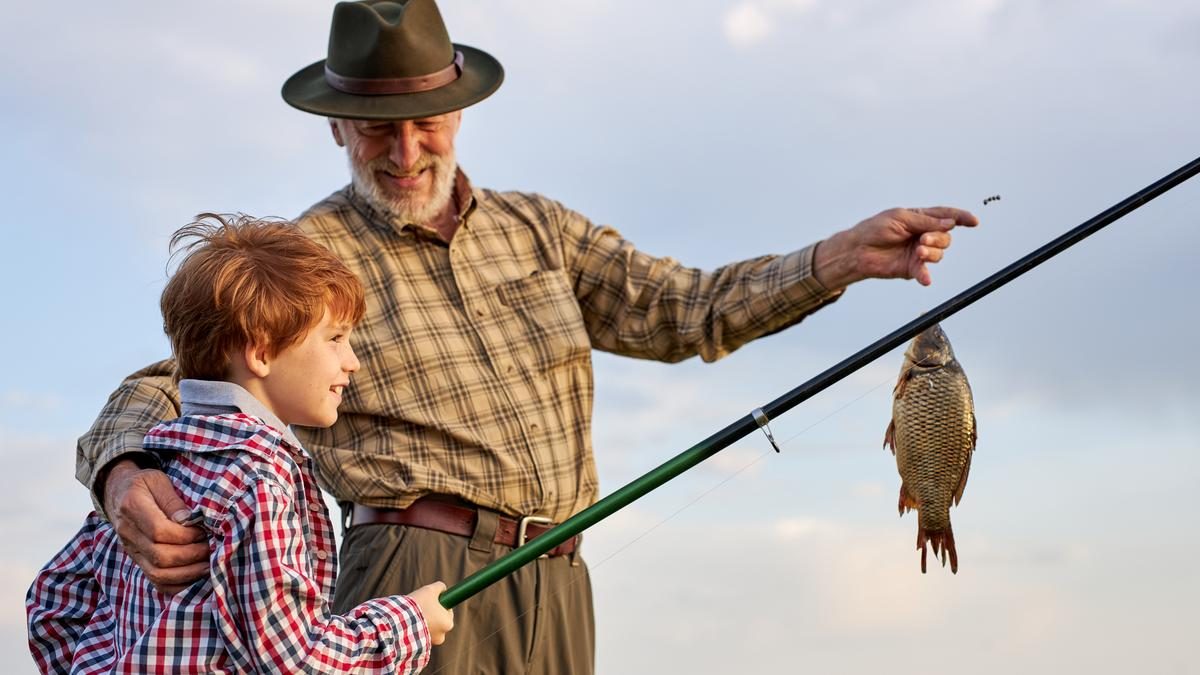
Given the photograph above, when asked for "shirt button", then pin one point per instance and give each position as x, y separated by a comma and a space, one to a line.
321, 555
314, 507
479, 313
533, 427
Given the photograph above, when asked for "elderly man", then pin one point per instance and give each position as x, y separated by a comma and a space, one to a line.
469, 424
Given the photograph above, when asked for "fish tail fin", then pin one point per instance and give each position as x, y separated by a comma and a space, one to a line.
942, 541
921, 541
952, 550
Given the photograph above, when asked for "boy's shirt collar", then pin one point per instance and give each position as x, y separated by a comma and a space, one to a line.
213, 397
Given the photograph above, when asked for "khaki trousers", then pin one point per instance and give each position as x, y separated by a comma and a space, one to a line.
536, 621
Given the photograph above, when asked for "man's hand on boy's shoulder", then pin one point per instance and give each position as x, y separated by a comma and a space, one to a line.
145, 510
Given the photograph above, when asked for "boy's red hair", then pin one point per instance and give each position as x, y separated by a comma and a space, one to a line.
245, 281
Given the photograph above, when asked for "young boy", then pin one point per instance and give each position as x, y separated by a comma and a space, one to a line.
259, 319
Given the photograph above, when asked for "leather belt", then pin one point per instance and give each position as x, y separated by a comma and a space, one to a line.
443, 516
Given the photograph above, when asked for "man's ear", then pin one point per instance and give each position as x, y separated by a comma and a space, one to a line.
337, 133
256, 360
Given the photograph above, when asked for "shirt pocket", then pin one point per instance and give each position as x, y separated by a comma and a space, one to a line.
548, 325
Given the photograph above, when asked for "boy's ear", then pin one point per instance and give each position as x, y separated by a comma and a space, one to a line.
256, 360
337, 133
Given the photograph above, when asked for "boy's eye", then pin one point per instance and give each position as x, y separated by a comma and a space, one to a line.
339, 337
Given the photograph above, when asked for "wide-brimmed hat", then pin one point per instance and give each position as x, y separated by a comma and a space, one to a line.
392, 59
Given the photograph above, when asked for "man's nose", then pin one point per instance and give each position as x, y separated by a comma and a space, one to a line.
406, 147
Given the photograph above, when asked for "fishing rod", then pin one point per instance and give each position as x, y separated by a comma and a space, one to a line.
759, 417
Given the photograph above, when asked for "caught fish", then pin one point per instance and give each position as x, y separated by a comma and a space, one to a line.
932, 434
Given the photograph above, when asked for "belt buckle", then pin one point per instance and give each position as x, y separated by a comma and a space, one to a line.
523, 527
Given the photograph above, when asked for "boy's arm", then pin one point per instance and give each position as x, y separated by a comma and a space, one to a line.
272, 614
61, 601
144, 399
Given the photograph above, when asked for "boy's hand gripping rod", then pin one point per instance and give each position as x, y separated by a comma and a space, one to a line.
760, 416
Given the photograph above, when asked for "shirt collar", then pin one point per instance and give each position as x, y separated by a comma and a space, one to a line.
214, 397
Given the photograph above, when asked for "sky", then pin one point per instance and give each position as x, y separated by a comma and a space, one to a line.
709, 131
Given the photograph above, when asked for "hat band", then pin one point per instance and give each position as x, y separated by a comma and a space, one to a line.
375, 86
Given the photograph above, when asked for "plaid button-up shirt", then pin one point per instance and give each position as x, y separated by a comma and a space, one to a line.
264, 606
476, 376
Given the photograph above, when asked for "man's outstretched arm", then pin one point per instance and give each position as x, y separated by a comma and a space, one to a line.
653, 307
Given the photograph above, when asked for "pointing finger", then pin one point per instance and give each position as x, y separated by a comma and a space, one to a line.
959, 216
920, 220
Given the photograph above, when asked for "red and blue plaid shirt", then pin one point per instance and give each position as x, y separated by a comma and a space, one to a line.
265, 604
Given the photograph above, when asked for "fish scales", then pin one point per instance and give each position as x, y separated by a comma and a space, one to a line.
933, 434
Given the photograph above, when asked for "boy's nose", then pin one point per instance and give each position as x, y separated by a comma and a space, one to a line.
351, 364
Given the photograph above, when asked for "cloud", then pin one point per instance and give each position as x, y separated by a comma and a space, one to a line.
746, 24
868, 490
641, 405
739, 460
40, 470
40, 402
15, 577
823, 586
221, 64
796, 5
43, 507
802, 527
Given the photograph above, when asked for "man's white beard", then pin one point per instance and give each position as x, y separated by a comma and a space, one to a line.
407, 209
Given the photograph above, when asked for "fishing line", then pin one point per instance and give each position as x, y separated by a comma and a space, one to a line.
860, 397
